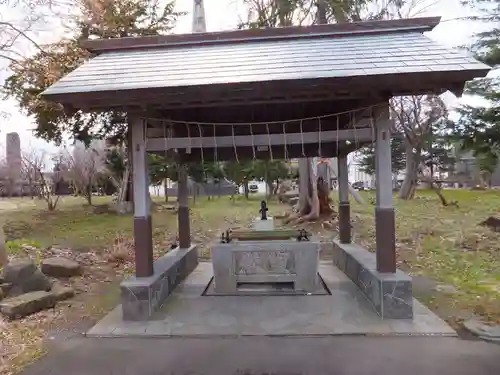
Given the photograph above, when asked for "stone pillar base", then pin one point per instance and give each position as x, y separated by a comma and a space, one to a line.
142, 297
259, 224
344, 222
385, 232
389, 293
143, 241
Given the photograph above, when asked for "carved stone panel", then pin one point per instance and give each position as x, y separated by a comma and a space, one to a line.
281, 262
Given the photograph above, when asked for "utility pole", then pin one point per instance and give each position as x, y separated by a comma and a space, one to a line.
199, 22
321, 12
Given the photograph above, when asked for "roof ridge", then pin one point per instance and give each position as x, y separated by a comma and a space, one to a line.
261, 35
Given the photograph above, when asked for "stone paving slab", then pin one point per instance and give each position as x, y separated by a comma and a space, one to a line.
346, 311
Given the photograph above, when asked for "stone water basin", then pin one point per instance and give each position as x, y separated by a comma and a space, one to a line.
267, 257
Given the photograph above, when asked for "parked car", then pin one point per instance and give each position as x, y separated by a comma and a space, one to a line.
253, 188
359, 185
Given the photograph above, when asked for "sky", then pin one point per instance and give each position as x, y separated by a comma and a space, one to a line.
223, 15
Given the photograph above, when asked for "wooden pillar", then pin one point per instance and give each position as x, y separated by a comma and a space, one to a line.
384, 212
143, 232
344, 208
183, 213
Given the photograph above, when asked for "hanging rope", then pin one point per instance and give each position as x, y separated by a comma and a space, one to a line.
253, 142
271, 122
338, 128
165, 139
319, 138
188, 149
353, 122
269, 141
215, 145
201, 148
372, 126
284, 141
302, 139
234, 145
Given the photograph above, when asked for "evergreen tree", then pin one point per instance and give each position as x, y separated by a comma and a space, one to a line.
478, 128
398, 153
32, 75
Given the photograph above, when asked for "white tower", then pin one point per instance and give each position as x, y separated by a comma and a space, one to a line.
199, 23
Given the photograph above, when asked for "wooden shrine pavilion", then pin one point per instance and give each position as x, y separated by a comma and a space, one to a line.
264, 93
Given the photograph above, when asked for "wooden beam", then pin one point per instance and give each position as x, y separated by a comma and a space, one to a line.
328, 150
260, 140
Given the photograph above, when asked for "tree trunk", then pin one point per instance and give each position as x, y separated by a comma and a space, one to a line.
352, 191
321, 16
165, 189
314, 211
88, 194
409, 185
304, 193
3, 247
276, 187
270, 189
246, 190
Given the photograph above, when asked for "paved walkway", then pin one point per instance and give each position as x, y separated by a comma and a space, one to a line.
271, 355
187, 313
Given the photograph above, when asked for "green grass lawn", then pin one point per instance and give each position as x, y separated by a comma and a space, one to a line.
446, 244
75, 224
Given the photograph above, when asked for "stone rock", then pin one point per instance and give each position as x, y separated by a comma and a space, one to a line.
60, 267
62, 292
5, 288
293, 201
19, 269
292, 193
483, 331
492, 223
447, 289
423, 286
26, 304
24, 277
285, 197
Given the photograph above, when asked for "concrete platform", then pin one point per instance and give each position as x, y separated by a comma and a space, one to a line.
187, 313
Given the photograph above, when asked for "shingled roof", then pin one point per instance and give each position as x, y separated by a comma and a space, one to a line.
325, 52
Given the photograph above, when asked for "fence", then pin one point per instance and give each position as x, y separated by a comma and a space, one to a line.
207, 189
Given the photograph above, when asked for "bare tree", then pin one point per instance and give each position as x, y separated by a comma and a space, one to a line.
84, 165
415, 117
35, 161
30, 171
